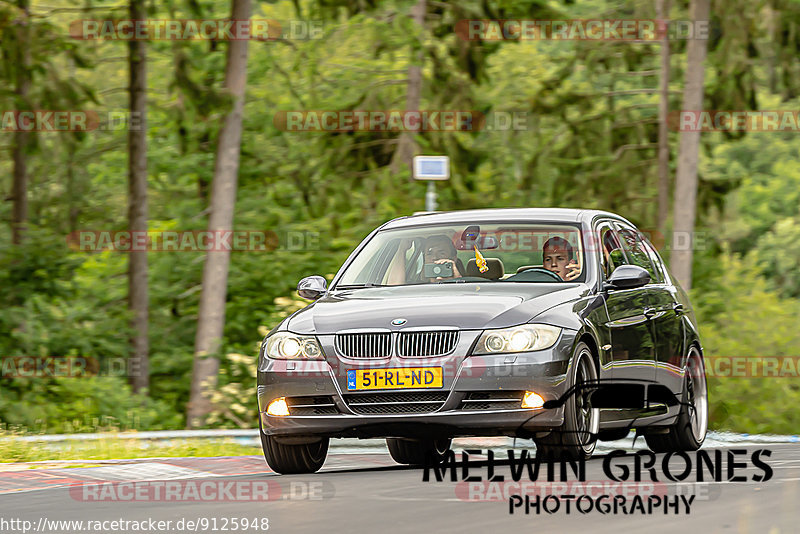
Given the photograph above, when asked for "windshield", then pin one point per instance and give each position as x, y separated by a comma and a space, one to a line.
499, 252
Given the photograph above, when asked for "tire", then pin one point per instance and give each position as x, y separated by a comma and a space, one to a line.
689, 431
294, 459
414, 452
577, 436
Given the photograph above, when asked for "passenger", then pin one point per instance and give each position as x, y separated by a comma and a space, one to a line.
558, 257
435, 249
440, 249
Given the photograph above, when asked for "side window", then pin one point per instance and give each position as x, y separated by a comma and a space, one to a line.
655, 259
611, 254
636, 251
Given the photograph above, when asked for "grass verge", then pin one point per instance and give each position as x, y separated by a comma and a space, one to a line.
16, 450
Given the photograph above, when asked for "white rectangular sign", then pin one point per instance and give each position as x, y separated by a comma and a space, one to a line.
431, 167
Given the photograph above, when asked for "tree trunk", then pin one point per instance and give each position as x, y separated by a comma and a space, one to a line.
407, 146
138, 300
685, 209
662, 14
211, 315
19, 188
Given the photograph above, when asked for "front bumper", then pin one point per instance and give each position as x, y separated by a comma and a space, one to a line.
544, 372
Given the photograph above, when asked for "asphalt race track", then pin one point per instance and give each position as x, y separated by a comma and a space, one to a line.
367, 492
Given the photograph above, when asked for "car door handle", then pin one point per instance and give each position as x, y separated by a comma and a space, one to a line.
677, 307
649, 312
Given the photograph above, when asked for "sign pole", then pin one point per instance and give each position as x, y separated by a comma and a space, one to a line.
430, 197
430, 169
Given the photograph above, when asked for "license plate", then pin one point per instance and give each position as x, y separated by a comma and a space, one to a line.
402, 378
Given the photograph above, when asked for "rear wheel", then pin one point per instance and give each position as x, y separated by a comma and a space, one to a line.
294, 459
577, 437
689, 431
415, 451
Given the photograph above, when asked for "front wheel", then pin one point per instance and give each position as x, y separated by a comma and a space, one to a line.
577, 437
689, 431
418, 452
294, 459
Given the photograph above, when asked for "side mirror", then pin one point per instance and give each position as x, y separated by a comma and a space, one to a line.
628, 277
312, 287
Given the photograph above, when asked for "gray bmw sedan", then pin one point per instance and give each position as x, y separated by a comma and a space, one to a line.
558, 325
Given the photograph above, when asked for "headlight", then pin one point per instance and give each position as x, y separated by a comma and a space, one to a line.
521, 338
288, 346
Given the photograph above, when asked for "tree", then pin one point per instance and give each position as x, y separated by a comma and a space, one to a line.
407, 145
685, 210
138, 298
19, 193
662, 13
211, 314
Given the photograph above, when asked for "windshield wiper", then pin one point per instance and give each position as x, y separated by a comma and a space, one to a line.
359, 286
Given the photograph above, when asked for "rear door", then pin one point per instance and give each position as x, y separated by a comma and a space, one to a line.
667, 323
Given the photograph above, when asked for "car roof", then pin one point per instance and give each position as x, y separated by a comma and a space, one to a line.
567, 215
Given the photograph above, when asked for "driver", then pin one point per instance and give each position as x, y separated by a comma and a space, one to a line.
558, 257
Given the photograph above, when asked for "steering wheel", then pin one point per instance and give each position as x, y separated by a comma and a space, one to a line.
541, 270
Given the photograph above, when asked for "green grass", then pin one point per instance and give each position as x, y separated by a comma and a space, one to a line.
15, 450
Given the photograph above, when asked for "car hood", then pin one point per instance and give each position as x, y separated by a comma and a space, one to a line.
466, 306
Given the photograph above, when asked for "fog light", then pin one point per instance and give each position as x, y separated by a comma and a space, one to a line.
279, 407
532, 400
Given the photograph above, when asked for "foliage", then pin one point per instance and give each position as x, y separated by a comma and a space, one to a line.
779, 253
740, 316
